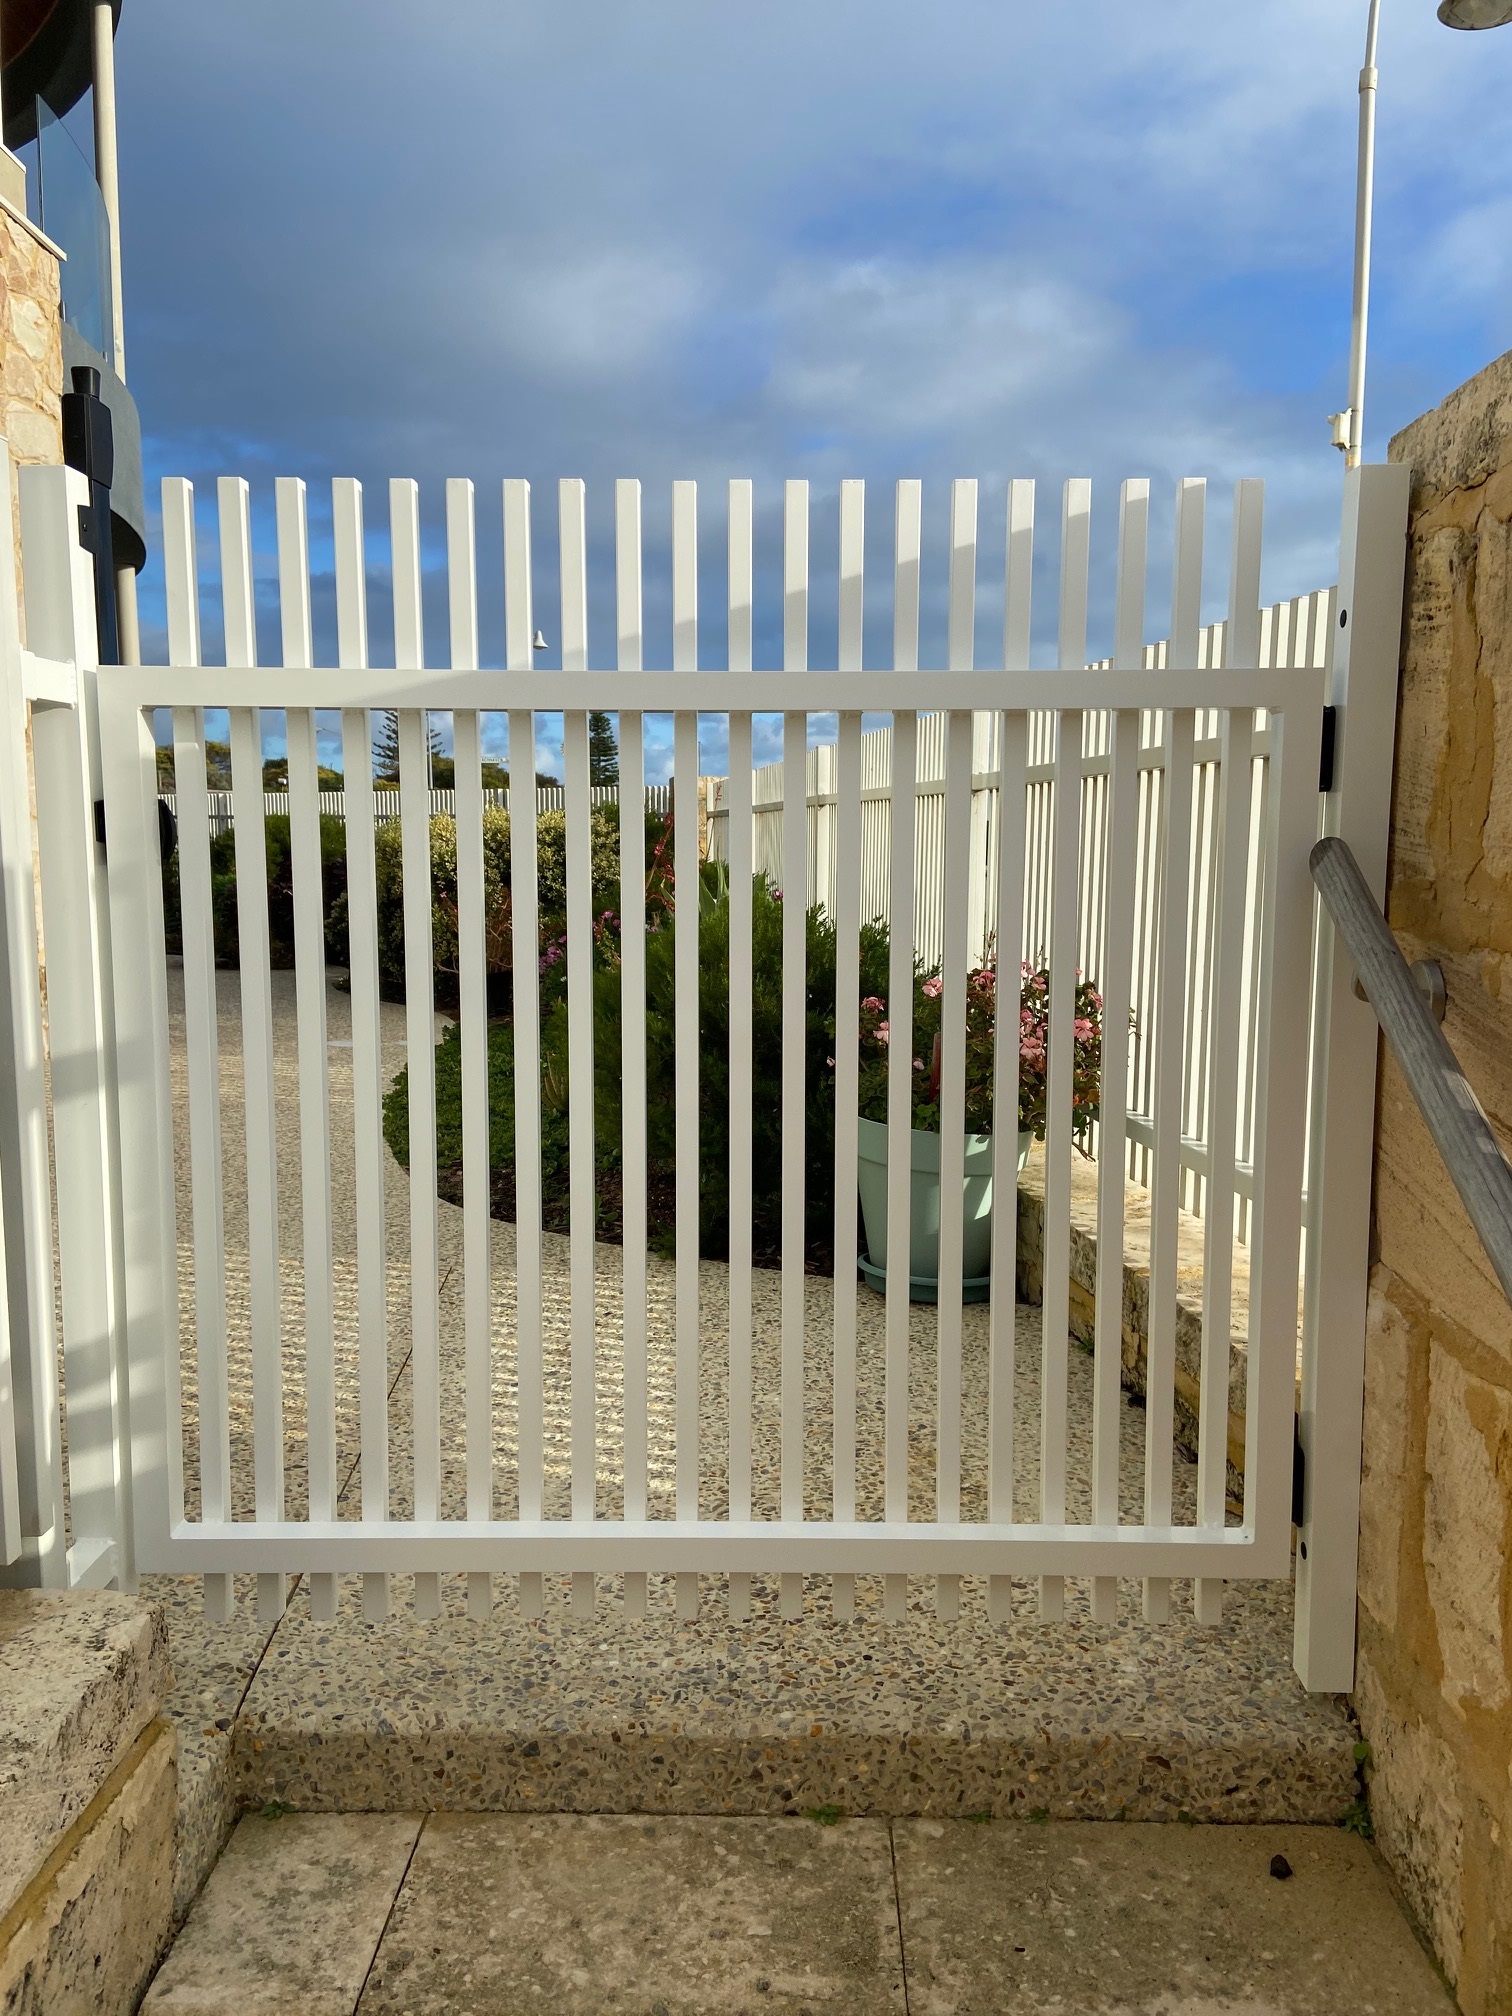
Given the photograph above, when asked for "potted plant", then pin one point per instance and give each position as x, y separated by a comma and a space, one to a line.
982, 1008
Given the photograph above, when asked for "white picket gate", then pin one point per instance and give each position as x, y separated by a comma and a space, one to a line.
503, 1465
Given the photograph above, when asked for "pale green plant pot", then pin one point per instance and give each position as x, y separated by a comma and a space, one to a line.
924, 1211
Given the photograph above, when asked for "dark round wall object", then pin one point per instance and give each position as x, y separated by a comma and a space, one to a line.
46, 50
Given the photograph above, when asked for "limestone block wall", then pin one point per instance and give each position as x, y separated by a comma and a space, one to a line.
31, 346
1434, 1690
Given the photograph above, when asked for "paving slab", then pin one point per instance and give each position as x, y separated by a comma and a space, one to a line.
502, 1915
290, 1919
1026, 1920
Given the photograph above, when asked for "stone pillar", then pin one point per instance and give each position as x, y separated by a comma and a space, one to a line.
1434, 1689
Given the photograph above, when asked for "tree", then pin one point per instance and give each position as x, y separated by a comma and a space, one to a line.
603, 751
386, 747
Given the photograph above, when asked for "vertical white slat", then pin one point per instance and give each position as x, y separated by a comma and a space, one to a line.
1170, 1025
1237, 771
1012, 819
1117, 990
145, 1108
685, 1016
1059, 1123
956, 895
257, 1031
310, 1000
795, 594
525, 956
1364, 635
573, 568
419, 1027
202, 1059
11, 1538
628, 624
60, 617
472, 1010
739, 853
367, 1045
903, 850
847, 912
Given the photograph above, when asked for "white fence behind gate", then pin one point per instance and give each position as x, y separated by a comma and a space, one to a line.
1298, 633
219, 805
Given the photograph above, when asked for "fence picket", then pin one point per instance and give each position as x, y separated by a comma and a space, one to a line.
685, 960
1170, 1032
847, 851
901, 834
472, 1015
257, 1032
956, 894
795, 597
419, 1027
628, 621
1232, 875
202, 1050
1059, 1120
1117, 988
1008, 936
525, 940
742, 869
367, 1043
310, 1008
573, 565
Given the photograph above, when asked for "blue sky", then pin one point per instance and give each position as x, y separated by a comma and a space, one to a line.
828, 239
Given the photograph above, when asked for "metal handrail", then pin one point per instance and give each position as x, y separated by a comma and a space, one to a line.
1445, 1097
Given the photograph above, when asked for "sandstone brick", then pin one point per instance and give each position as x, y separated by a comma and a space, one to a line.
1415, 1800
1460, 443
1465, 1540
1384, 1484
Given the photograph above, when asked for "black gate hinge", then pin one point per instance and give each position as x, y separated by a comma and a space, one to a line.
1299, 1475
1326, 752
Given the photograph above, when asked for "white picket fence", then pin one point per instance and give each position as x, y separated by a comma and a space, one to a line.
1297, 633
332, 804
566, 1426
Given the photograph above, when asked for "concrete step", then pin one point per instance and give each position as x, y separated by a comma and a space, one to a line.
496, 1914
769, 1717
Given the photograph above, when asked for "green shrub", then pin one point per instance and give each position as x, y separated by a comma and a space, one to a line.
767, 914
551, 882
280, 870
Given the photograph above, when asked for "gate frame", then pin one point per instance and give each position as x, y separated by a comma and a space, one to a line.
1346, 1040
140, 1293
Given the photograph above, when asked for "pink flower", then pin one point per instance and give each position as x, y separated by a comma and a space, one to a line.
877, 1006
881, 1032
934, 988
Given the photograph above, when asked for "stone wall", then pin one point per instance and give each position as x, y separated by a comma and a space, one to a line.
1434, 1690
31, 348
